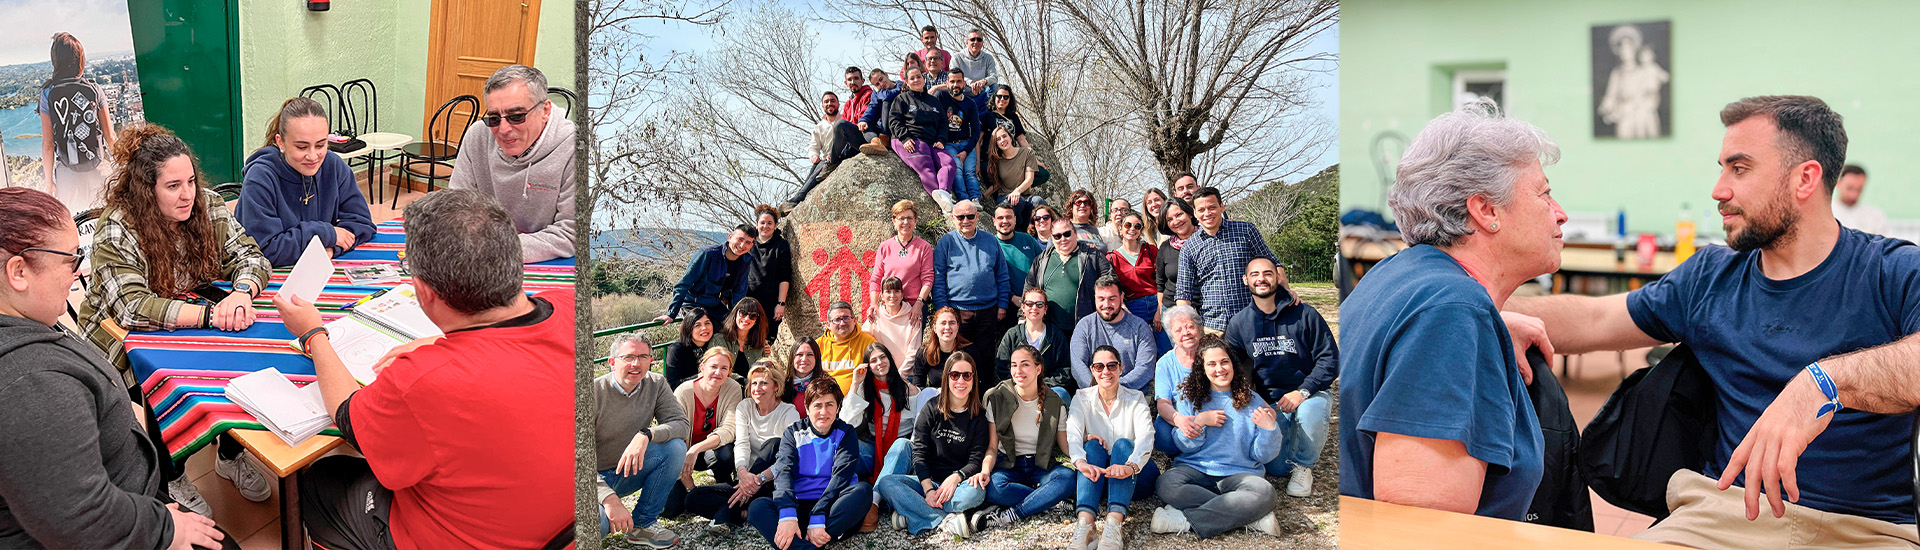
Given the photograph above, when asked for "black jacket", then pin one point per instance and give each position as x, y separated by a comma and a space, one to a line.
772, 265
917, 116
1561, 501
1660, 420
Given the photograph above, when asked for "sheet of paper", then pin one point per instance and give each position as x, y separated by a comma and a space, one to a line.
360, 345
310, 274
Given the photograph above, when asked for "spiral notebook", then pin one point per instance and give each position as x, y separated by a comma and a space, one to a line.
375, 327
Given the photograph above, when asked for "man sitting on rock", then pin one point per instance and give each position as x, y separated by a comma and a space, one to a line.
834, 140
873, 124
523, 157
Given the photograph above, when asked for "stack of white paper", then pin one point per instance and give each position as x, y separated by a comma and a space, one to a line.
293, 413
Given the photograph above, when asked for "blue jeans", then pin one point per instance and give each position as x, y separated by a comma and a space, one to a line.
843, 516
1119, 492
1305, 433
1163, 433
904, 493
899, 463
659, 471
966, 177
1029, 488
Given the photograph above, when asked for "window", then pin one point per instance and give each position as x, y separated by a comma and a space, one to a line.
1470, 85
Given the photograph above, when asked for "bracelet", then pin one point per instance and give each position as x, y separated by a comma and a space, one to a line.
206, 315
310, 334
1827, 387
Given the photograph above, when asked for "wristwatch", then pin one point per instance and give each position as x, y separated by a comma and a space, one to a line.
242, 286
1304, 393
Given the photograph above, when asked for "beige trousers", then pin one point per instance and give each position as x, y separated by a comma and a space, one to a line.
1706, 517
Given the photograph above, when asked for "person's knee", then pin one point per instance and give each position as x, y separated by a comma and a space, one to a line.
1123, 447
1096, 454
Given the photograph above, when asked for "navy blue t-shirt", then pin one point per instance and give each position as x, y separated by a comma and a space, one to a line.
1425, 354
1753, 334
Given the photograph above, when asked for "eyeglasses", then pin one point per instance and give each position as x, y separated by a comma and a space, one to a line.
1112, 365
493, 121
1034, 303
1063, 234
73, 259
633, 357
839, 320
965, 217
960, 375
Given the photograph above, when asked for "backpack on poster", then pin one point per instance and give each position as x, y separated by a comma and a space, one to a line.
73, 107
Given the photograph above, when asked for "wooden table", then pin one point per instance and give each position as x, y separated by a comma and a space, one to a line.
285, 462
1373, 524
1578, 261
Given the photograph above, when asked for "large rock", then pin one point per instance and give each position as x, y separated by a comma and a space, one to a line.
835, 231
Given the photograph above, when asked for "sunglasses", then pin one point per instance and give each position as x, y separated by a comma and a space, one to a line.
1034, 303
1063, 234
1131, 225
72, 258
749, 316
1112, 365
493, 121
976, 39
960, 375
1003, 96
965, 217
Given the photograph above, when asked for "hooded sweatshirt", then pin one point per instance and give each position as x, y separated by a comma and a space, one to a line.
1291, 348
76, 467
283, 209
917, 116
536, 188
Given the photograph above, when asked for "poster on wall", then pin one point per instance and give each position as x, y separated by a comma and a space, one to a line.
67, 82
1632, 80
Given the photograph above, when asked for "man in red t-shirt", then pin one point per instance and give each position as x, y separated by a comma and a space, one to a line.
468, 437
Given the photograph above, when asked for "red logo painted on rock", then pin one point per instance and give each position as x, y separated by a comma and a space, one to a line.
846, 267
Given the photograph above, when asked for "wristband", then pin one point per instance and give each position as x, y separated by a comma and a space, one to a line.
310, 334
206, 315
1827, 387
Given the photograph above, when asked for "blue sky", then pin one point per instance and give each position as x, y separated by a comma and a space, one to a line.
101, 26
850, 48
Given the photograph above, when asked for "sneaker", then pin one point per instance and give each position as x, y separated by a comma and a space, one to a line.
1083, 537
1167, 519
717, 529
1300, 483
957, 525
899, 522
944, 199
245, 475
1268, 524
1110, 536
652, 537
183, 492
1000, 516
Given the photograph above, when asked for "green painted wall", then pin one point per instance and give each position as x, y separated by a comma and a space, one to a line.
284, 47
1860, 59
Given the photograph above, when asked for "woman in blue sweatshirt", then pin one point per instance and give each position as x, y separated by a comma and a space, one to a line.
1218, 483
816, 474
295, 189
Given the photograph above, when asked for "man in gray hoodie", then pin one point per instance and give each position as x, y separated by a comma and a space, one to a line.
523, 156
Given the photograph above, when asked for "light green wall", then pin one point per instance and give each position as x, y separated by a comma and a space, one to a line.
284, 47
1859, 58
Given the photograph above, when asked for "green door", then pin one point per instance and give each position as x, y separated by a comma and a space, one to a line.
190, 76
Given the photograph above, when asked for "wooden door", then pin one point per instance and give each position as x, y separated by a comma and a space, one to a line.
467, 41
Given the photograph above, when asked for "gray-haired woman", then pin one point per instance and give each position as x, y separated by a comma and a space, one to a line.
1434, 412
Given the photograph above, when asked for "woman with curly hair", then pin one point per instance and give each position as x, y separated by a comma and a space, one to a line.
162, 241
1218, 483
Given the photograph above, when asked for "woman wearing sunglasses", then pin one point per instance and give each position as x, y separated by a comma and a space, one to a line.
1109, 432
76, 466
951, 440
1003, 111
1081, 210
161, 243
1033, 330
745, 334
1133, 262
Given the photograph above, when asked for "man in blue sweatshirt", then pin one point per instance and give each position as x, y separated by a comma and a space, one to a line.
295, 190
970, 274
716, 278
1295, 361
1113, 326
963, 114
873, 124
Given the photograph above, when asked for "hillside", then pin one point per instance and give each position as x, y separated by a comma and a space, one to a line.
1300, 221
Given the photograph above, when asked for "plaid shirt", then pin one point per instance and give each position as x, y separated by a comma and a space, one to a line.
1211, 267
117, 285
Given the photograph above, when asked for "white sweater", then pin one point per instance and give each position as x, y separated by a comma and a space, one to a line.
749, 428
1131, 419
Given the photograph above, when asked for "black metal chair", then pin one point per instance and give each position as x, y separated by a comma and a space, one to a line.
564, 97
362, 116
432, 157
85, 221
329, 97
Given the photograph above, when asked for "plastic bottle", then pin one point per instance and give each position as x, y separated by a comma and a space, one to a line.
1683, 235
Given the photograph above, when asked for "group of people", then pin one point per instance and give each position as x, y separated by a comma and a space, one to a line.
1811, 409
988, 378
947, 116
85, 464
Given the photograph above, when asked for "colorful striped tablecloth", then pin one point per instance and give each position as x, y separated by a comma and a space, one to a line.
184, 373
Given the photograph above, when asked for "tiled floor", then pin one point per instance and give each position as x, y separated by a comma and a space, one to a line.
257, 525
1589, 380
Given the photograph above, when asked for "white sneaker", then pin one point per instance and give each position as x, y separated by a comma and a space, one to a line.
956, 525
944, 199
1083, 537
246, 477
1167, 519
1268, 524
899, 521
1300, 483
1110, 537
183, 492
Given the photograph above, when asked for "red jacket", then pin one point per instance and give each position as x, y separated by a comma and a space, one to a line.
855, 106
1136, 279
